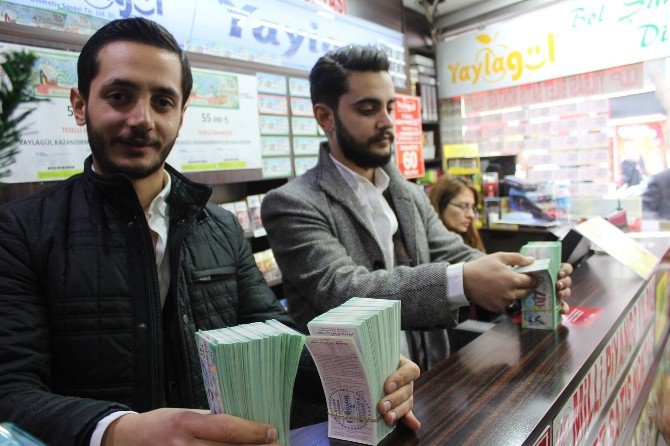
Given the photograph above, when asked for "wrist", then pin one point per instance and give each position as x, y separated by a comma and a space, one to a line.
466, 289
114, 434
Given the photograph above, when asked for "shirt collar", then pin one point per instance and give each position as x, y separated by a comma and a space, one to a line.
381, 178
158, 205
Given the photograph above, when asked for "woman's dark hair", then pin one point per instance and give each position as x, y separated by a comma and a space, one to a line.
134, 29
443, 191
328, 78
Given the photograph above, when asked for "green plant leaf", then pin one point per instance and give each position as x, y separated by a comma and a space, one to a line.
15, 89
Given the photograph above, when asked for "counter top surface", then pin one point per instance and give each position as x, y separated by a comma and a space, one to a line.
505, 387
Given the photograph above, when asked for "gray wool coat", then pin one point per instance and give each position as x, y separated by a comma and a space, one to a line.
327, 253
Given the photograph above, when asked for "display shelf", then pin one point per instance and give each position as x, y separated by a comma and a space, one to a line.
435, 162
424, 85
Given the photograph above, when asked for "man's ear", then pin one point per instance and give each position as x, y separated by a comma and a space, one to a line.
78, 106
325, 117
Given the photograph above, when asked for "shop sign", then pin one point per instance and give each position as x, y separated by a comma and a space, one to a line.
577, 417
408, 136
570, 37
287, 33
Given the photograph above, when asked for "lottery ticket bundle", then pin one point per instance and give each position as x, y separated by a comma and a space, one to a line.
541, 308
249, 371
355, 347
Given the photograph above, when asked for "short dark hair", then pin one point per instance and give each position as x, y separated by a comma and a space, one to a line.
328, 78
134, 29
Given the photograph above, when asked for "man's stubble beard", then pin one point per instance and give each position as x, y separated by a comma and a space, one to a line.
360, 154
99, 149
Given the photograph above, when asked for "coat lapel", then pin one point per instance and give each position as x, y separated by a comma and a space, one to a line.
331, 182
404, 209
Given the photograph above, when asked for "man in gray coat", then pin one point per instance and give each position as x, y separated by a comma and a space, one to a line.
656, 198
353, 226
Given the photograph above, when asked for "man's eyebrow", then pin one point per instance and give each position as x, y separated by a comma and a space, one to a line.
117, 82
367, 100
373, 101
167, 91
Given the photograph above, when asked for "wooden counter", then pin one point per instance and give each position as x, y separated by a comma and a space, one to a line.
578, 384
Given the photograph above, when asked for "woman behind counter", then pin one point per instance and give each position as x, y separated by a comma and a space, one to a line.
455, 200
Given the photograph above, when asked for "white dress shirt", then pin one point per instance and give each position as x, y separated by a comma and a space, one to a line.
381, 217
159, 223
385, 223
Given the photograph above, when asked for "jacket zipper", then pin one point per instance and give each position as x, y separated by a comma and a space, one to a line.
158, 391
180, 225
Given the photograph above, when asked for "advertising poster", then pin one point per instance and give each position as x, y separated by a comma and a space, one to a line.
271, 83
303, 163
272, 105
275, 145
220, 129
54, 147
409, 136
277, 167
301, 107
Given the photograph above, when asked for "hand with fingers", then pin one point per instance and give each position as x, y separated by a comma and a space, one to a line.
399, 399
563, 286
172, 426
490, 282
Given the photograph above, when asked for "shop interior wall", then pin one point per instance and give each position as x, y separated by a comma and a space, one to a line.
227, 185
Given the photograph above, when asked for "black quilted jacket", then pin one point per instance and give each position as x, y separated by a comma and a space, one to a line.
82, 333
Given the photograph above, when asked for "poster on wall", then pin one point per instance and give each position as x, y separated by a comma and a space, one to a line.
54, 146
220, 128
409, 136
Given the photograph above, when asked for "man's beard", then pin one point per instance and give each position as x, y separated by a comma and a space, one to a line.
361, 154
99, 148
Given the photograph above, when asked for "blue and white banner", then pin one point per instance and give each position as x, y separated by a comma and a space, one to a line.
287, 33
